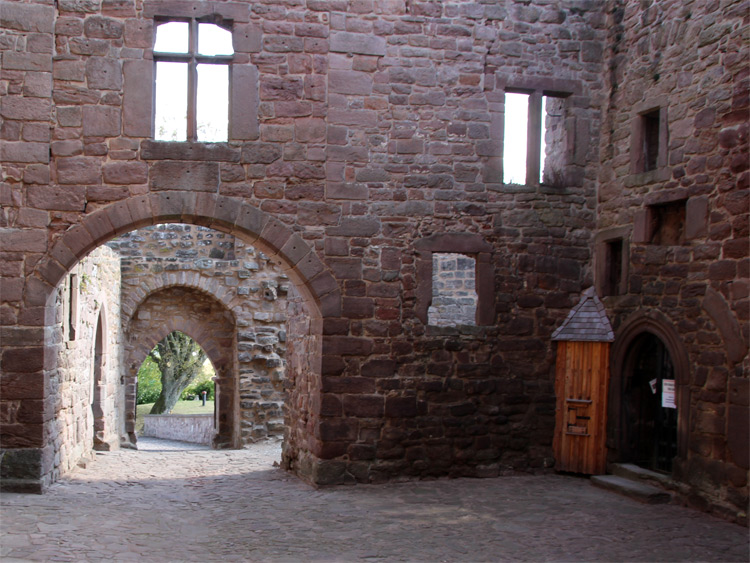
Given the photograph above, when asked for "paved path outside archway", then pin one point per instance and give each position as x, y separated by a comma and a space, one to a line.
171, 505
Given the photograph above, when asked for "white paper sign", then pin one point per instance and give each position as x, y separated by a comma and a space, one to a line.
652, 386
667, 394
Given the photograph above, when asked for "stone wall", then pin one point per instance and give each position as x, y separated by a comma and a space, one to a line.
195, 428
684, 223
89, 398
252, 290
365, 137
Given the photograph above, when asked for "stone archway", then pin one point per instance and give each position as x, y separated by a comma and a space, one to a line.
206, 321
29, 455
622, 362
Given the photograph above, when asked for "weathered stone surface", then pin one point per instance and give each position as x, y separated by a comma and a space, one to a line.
137, 105
347, 42
162, 150
103, 73
27, 17
191, 176
23, 240
125, 172
105, 28
13, 60
24, 152
23, 108
101, 121
78, 170
350, 82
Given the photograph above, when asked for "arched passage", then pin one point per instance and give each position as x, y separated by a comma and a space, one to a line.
29, 461
206, 321
646, 351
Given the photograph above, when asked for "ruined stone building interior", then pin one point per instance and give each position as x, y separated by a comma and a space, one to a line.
401, 230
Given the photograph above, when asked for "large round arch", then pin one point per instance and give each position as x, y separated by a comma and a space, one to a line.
627, 338
29, 458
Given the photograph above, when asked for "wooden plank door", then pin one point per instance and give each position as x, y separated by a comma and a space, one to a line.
581, 385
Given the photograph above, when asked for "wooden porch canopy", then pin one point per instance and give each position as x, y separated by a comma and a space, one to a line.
581, 387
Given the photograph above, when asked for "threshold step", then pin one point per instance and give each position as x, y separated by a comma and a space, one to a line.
636, 473
638, 491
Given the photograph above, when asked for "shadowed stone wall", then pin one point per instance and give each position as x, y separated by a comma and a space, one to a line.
88, 406
367, 136
687, 274
360, 129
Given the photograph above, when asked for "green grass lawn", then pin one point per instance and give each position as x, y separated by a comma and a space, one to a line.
182, 407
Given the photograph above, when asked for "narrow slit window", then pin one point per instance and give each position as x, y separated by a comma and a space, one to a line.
454, 296
553, 151
514, 139
73, 307
613, 268
543, 148
650, 147
192, 81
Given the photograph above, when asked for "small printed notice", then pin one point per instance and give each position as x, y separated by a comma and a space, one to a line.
667, 394
652, 385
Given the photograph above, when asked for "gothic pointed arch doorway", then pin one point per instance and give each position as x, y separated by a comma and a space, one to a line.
649, 401
649, 437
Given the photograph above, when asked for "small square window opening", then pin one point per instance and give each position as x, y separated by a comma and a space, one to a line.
454, 296
667, 223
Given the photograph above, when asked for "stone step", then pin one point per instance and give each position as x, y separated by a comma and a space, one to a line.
636, 473
633, 489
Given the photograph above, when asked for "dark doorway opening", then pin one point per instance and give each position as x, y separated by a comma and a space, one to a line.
649, 416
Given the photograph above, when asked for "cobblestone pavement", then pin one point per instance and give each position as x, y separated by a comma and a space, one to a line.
164, 503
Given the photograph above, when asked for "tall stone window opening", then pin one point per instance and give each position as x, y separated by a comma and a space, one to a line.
649, 141
454, 295
612, 261
534, 139
192, 81
613, 268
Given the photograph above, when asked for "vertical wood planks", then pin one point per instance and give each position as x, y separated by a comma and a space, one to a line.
581, 386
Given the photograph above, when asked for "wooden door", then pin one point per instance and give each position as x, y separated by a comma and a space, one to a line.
581, 383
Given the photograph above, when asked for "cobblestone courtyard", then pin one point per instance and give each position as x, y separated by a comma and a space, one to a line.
166, 504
